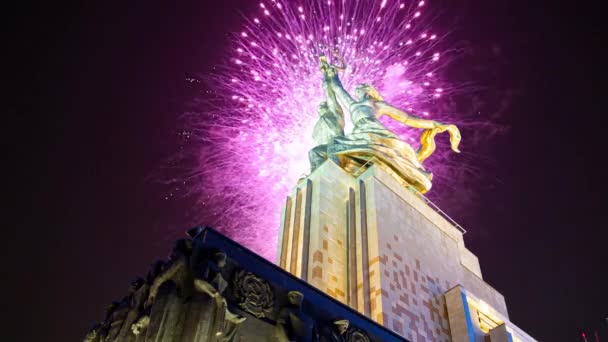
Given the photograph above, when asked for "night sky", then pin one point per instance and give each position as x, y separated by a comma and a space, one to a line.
95, 95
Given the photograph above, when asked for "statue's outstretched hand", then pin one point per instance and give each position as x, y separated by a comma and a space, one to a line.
324, 65
329, 70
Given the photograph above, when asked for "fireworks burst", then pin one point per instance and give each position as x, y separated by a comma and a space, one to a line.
252, 138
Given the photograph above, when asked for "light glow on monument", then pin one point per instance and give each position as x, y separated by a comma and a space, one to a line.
250, 139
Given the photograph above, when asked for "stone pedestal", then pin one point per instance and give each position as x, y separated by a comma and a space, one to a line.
373, 244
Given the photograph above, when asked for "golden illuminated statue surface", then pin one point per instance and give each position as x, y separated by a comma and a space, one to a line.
370, 142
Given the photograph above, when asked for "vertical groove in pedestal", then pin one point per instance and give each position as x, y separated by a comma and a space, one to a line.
352, 249
296, 233
306, 235
285, 236
364, 251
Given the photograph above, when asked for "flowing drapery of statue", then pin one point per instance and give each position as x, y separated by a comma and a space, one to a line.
370, 142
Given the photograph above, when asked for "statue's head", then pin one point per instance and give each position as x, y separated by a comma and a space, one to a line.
295, 297
323, 60
135, 284
220, 258
365, 91
323, 108
182, 247
341, 325
110, 308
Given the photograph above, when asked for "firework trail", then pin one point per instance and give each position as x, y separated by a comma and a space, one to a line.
252, 133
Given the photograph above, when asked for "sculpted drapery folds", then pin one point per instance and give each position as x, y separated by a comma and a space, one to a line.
370, 141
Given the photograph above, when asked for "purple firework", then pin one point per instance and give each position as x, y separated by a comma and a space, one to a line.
252, 140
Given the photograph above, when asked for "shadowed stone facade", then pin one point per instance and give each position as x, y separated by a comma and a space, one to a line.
213, 289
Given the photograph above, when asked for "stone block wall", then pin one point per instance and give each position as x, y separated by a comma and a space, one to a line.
378, 247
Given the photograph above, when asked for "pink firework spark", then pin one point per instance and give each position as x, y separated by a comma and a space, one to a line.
252, 139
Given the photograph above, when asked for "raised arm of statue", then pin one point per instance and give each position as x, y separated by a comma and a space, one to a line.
332, 102
341, 93
168, 274
330, 72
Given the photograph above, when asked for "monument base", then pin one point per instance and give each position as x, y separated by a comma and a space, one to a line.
377, 246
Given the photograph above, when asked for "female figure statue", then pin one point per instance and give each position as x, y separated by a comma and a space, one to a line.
329, 125
370, 139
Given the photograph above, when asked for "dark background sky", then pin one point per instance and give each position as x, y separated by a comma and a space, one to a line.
94, 94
